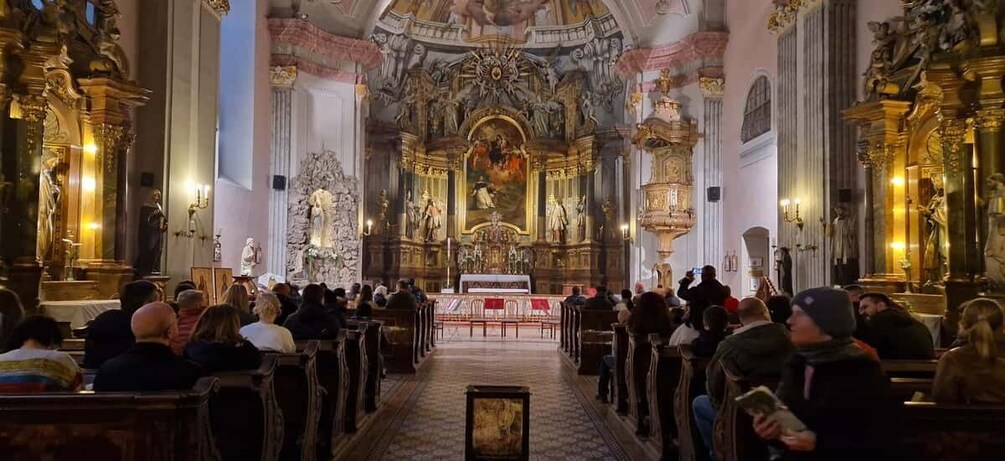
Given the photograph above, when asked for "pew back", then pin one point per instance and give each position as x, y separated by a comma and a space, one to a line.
734, 436
115, 425
691, 385
952, 432
245, 411
300, 398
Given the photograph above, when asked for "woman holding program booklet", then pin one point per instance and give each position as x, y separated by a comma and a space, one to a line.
831, 385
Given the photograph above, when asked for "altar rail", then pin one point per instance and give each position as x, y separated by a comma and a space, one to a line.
467, 306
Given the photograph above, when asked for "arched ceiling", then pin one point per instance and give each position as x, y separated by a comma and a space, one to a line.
644, 23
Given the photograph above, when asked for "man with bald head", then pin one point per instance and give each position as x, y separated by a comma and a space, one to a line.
150, 365
759, 348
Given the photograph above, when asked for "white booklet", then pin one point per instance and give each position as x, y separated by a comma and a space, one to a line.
760, 401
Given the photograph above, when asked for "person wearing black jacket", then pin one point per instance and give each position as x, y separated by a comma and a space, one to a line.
149, 365
311, 321
287, 305
217, 344
892, 331
336, 305
832, 385
402, 299
109, 334
600, 301
707, 293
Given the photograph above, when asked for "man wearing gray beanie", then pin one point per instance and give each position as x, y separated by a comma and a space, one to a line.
831, 384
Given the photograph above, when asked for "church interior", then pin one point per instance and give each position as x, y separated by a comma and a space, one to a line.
727, 230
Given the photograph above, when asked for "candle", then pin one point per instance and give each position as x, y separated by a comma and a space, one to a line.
448, 247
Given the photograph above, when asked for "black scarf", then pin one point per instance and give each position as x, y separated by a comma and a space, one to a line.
834, 350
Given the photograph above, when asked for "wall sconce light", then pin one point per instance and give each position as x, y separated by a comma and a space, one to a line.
88, 184
90, 149
793, 218
368, 229
626, 233
201, 200
811, 247
93, 226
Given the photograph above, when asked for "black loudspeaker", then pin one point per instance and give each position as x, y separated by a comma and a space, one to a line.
146, 179
844, 195
279, 182
714, 193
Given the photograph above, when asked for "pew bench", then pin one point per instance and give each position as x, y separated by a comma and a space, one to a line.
934, 432
733, 433
691, 385
114, 425
245, 415
333, 377
661, 384
300, 398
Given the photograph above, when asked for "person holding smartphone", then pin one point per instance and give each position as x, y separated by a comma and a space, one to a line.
832, 385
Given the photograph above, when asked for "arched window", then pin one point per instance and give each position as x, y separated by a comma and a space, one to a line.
757, 113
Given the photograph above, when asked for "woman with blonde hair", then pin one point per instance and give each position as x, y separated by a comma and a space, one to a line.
217, 344
265, 334
974, 373
11, 313
237, 296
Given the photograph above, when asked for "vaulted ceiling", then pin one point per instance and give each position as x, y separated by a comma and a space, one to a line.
645, 23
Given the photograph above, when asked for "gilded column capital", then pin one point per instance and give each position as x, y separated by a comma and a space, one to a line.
112, 141
786, 14
283, 76
990, 119
953, 133
220, 7
712, 87
878, 155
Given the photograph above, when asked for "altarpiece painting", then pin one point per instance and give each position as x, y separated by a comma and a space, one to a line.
496, 174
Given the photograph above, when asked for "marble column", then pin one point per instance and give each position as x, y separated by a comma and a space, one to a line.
788, 141
957, 162
712, 90
282, 79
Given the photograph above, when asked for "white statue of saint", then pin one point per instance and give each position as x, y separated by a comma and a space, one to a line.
557, 219
249, 257
317, 218
994, 249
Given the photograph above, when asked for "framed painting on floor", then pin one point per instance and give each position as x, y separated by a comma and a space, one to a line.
203, 279
497, 423
224, 277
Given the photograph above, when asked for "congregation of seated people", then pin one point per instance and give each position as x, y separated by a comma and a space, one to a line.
818, 345
149, 345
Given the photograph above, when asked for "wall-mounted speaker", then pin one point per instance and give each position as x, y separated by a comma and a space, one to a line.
714, 193
279, 182
844, 195
146, 179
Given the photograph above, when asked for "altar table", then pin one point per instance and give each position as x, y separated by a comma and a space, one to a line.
78, 313
465, 306
487, 283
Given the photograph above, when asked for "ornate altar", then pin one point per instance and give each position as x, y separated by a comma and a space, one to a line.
494, 149
931, 146
668, 210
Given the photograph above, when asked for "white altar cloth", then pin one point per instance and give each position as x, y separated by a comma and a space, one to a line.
488, 283
499, 290
78, 313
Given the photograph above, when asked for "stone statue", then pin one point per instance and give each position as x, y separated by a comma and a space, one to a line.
876, 76
588, 109
317, 220
153, 224
451, 124
844, 250
250, 257
935, 245
411, 215
382, 205
994, 250
581, 218
557, 219
783, 264
430, 219
49, 193
217, 248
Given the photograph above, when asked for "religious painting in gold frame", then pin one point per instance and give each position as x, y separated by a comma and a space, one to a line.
496, 175
224, 277
203, 279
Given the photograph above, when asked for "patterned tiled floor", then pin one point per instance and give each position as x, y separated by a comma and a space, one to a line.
431, 426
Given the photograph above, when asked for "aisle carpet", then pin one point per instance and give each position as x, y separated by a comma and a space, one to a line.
431, 424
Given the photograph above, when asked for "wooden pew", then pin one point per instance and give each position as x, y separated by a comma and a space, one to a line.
399, 326
375, 361
619, 378
636, 375
733, 432
664, 375
356, 360
595, 337
909, 368
430, 319
247, 421
300, 397
420, 333
565, 332
174, 426
575, 320
333, 376
934, 432
691, 385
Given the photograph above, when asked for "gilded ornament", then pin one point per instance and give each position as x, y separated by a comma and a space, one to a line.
59, 83
990, 119
953, 133
712, 87
221, 7
633, 102
284, 76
